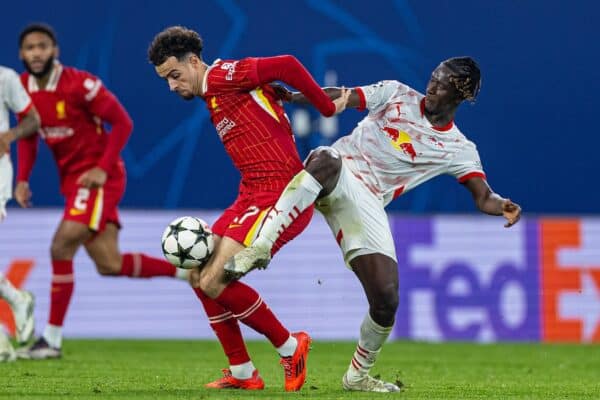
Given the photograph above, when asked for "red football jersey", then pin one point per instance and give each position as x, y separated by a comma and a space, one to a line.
69, 107
252, 125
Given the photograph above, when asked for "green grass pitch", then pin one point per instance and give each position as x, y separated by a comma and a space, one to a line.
139, 369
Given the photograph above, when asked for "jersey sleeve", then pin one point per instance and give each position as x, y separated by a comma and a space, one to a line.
466, 164
15, 96
232, 76
87, 87
375, 97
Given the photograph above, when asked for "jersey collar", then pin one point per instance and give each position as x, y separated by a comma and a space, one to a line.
57, 70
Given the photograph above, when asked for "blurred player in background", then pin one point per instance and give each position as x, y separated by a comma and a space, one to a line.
13, 97
74, 105
406, 139
257, 135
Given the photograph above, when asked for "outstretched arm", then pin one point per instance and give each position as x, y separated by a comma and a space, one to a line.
491, 203
29, 123
289, 70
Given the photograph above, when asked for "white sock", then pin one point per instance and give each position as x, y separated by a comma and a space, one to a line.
182, 274
298, 195
288, 348
9, 293
242, 371
372, 338
53, 335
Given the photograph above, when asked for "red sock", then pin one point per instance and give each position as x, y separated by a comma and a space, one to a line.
247, 306
139, 265
61, 290
226, 328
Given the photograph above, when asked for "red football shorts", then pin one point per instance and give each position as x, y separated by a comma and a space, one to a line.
94, 207
244, 218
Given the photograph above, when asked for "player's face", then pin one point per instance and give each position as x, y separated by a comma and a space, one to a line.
440, 91
38, 52
181, 76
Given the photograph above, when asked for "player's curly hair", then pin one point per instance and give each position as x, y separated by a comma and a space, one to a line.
177, 41
466, 76
37, 27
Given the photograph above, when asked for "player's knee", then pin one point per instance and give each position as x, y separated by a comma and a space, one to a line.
208, 283
108, 269
63, 247
324, 164
384, 306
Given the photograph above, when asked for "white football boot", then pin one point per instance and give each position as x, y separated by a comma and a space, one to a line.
7, 352
369, 384
246, 260
23, 315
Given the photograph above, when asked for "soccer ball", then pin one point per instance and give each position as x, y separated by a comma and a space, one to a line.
187, 242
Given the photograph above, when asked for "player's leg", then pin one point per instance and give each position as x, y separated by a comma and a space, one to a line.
69, 236
245, 303
317, 179
378, 275
103, 249
21, 303
359, 223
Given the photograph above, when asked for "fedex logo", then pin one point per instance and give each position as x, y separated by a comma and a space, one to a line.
570, 279
465, 278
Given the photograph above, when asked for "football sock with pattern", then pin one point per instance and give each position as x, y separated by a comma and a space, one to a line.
228, 332
372, 338
248, 307
61, 291
298, 195
138, 265
8, 292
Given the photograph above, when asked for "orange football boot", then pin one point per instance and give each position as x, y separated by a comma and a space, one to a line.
228, 381
295, 366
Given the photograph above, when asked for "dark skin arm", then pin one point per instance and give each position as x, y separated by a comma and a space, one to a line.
27, 126
491, 203
333, 92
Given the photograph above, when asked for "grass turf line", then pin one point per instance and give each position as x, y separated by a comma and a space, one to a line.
143, 369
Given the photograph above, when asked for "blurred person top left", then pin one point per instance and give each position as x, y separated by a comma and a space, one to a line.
74, 106
13, 97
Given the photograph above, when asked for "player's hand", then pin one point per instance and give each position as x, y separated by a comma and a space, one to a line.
23, 194
512, 212
92, 178
5, 141
281, 92
342, 101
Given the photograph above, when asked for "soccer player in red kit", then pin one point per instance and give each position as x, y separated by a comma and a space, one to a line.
258, 137
73, 106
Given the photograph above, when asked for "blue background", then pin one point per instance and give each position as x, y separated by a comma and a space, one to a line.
534, 121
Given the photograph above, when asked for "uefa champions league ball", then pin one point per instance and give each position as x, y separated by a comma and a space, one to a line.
187, 242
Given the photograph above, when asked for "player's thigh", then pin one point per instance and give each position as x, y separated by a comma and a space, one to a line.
213, 274
357, 219
103, 249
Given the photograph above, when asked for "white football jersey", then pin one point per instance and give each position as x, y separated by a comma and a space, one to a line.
395, 148
13, 97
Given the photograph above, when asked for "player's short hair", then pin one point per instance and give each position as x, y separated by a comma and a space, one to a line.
177, 41
466, 76
38, 27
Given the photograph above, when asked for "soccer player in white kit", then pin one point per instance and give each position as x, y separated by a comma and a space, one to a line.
13, 97
406, 139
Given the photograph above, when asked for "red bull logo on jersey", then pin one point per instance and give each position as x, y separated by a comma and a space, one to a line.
401, 141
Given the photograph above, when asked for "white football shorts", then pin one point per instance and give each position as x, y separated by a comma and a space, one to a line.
357, 218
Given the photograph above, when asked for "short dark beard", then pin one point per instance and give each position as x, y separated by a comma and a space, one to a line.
47, 68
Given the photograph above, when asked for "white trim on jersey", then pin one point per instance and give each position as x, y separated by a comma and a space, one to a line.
33, 87
205, 77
